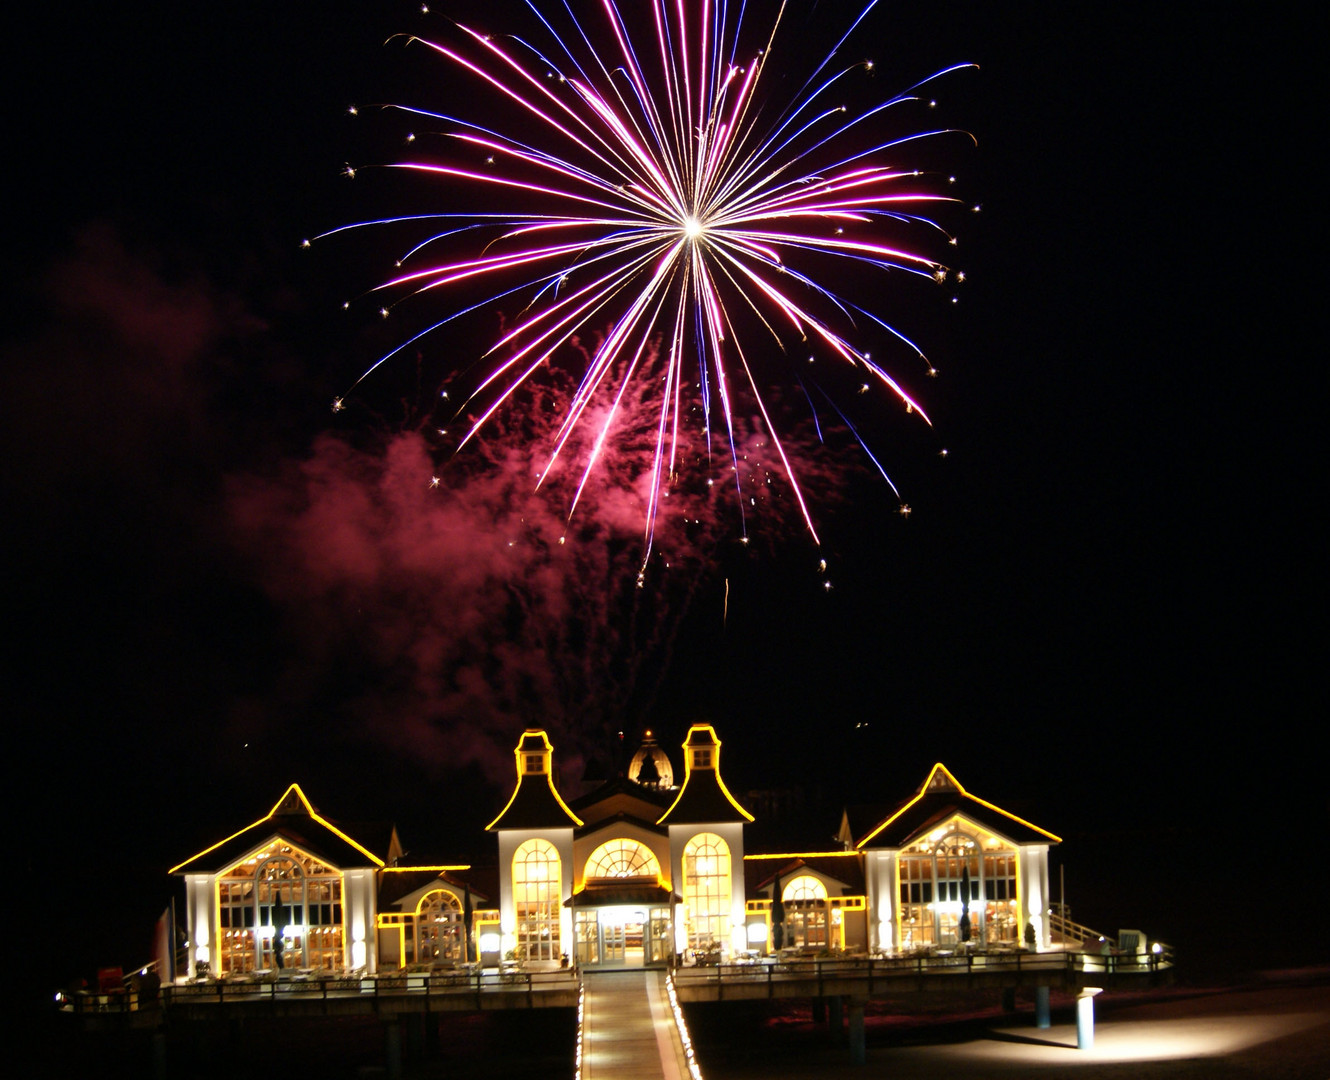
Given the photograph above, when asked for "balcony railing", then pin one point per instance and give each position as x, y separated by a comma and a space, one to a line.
939, 962
311, 987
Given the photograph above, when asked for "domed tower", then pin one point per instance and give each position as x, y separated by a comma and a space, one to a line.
651, 766
707, 850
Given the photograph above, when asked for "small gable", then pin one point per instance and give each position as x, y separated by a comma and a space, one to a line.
942, 797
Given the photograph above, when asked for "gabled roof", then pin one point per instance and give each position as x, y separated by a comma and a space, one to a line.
646, 825
941, 797
845, 867
620, 797
407, 880
535, 804
293, 819
704, 796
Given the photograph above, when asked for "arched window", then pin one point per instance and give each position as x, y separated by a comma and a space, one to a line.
537, 894
706, 890
805, 899
933, 877
804, 887
439, 927
622, 858
280, 908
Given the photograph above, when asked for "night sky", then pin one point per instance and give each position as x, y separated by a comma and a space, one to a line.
1101, 612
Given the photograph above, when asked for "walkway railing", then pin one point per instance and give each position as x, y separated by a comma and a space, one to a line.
871, 969
1069, 932
395, 984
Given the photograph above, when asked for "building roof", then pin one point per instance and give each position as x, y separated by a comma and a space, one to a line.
621, 798
704, 796
859, 819
941, 797
620, 819
293, 819
627, 891
847, 868
535, 803
403, 881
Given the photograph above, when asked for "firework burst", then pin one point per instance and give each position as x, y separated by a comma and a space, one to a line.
669, 204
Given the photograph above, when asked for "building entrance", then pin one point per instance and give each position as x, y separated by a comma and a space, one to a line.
623, 936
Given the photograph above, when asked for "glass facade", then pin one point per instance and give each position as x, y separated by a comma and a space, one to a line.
960, 869
280, 909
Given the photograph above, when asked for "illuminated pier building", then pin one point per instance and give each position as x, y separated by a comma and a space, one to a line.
639, 871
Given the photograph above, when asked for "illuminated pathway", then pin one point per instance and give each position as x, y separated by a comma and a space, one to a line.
628, 1029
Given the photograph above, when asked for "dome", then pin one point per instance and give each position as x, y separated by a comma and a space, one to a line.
651, 766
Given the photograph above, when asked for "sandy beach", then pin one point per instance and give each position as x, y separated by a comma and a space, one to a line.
1275, 1031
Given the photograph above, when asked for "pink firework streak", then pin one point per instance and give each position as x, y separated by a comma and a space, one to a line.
667, 197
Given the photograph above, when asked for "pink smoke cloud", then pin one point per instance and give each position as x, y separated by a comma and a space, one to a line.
473, 604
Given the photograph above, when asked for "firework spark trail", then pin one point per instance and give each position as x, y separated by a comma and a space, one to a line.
685, 202
439, 618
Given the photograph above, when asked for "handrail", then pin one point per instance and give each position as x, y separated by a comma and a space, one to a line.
326, 986
923, 963
409, 984
1076, 932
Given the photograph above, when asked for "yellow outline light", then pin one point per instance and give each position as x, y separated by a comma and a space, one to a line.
549, 779
461, 903
268, 816
409, 869
805, 855
688, 772
959, 787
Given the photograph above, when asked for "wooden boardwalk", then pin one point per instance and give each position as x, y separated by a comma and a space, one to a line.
628, 1030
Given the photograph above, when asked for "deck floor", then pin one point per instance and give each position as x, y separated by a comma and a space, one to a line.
628, 1029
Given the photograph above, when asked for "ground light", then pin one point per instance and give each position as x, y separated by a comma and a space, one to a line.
1022, 1050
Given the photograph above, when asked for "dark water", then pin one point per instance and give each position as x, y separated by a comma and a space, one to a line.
515, 1045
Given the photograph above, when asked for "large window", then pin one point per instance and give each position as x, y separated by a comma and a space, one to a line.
706, 890
439, 930
622, 858
959, 866
999, 911
805, 900
537, 894
280, 909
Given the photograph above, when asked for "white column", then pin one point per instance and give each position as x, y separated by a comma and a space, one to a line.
889, 890
1085, 1017
359, 910
1034, 893
201, 920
